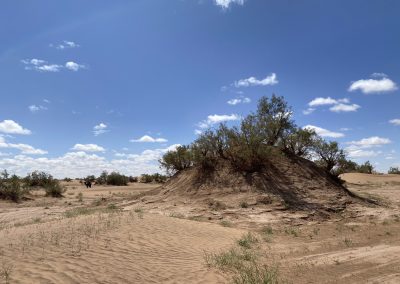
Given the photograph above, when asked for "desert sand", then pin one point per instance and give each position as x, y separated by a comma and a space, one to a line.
129, 235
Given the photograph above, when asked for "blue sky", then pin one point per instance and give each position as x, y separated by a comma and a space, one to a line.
87, 86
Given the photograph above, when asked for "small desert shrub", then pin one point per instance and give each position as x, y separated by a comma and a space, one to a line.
112, 206
157, 178
256, 274
348, 242
247, 241
216, 205
176, 215
115, 178
80, 197
244, 204
67, 179
264, 200
292, 231
133, 179
230, 260
38, 179
78, 212
54, 189
11, 189
225, 223
394, 170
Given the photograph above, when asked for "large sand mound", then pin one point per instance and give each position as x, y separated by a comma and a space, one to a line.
294, 182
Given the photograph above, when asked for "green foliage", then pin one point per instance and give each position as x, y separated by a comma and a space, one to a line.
177, 160
133, 179
102, 179
365, 168
394, 170
54, 189
249, 146
38, 179
115, 178
157, 178
90, 178
329, 154
10, 187
300, 142
67, 179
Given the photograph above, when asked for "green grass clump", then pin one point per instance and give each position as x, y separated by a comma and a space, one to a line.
247, 241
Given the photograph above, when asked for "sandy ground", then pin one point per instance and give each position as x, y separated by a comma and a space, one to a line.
109, 235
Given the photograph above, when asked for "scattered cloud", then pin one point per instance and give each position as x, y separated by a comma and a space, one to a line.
381, 84
309, 111
360, 153
373, 141
99, 129
149, 139
338, 105
224, 4
216, 118
395, 121
36, 108
344, 108
65, 45
43, 66
73, 66
252, 81
11, 127
240, 100
24, 148
81, 164
324, 132
362, 148
88, 148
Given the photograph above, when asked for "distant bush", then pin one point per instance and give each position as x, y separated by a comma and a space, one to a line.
54, 189
67, 179
90, 178
329, 154
394, 170
102, 179
10, 187
157, 178
38, 179
365, 168
133, 179
118, 179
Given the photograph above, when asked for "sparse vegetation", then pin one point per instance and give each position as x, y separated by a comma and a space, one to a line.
247, 241
243, 264
394, 170
156, 178
11, 188
267, 133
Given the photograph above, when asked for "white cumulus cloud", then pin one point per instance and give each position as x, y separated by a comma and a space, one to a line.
65, 45
252, 81
374, 141
100, 129
338, 105
149, 139
88, 148
36, 108
344, 108
9, 126
73, 66
226, 3
217, 118
395, 121
324, 132
373, 86
241, 100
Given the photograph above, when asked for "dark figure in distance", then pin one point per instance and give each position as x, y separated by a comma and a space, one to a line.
88, 184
